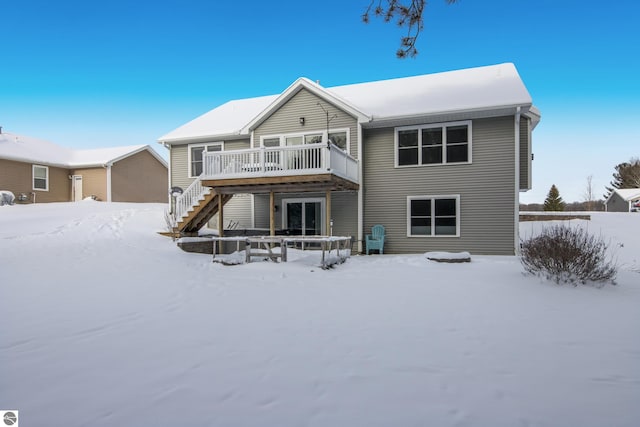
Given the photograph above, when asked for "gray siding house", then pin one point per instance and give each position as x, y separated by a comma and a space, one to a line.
438, 159
623, 200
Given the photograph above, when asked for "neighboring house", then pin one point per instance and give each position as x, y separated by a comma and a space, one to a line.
438, 159
625, 200
41, 171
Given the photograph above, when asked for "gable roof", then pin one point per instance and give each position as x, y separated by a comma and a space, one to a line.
33, 150
628, 194
468, 90
314, 88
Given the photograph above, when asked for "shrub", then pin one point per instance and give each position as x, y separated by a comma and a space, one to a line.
568, 255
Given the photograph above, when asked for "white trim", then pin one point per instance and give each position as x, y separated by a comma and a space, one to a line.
108, 183
360, 190
325, 136
33, 178
139, 150
201, 144
433, 216
322, 200
293, 89
443, 126
516, 207
169, 177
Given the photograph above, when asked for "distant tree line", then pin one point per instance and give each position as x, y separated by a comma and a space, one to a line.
597, 205
627, 175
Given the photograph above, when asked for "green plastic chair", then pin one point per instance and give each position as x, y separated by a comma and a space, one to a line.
375, 240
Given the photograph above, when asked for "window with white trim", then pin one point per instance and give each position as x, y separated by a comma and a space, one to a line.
196, 156
430, 216
442, 143
339, 137
40, 177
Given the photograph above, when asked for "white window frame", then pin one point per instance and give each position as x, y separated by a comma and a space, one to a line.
33, 177
203, 144
323, 212
442, 126
433, 217
325, 136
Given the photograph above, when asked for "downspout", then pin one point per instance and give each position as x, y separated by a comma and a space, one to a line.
516, 207
360, 189
108, 166
169, 180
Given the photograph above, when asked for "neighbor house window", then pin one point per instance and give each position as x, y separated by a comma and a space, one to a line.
433, 144
41, 178
196, 156
433, 216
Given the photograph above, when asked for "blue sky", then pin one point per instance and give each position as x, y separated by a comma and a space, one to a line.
93, 74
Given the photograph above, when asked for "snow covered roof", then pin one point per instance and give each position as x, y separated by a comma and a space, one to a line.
628, 194
468, 90
33, 150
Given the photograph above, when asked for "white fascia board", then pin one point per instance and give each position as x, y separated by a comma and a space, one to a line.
319, 91
35, 162
534, 114
139, 150
512, 107
203, 138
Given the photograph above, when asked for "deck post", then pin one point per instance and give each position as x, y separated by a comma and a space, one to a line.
328, 213
272, 215
220, 221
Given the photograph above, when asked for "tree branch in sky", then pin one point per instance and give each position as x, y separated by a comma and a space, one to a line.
406, 14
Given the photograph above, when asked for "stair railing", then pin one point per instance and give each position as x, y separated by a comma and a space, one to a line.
190, 198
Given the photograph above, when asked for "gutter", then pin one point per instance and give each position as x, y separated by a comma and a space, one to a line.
380, 121
203, 138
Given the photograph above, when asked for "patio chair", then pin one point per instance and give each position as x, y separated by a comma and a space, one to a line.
375, 240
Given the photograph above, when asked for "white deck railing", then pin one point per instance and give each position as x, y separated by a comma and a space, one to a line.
189, 198
280, 161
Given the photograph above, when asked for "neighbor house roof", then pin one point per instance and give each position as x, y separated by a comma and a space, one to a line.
628, 194
468, 90
33, 150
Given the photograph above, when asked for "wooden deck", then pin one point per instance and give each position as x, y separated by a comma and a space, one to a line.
281, 184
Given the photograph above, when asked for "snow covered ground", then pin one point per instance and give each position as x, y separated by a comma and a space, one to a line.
106, 323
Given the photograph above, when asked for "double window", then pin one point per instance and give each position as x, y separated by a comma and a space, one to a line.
40, 177
433, 144
433, 216
196, 156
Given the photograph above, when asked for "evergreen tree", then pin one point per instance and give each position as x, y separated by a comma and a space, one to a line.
554, 202
627, 175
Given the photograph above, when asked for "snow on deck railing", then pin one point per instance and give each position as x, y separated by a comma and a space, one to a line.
189, 198
281, 161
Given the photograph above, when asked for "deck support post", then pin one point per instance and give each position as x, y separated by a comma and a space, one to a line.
272, 215
220, 220
328, 213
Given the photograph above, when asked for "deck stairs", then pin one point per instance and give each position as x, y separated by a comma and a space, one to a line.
195, 207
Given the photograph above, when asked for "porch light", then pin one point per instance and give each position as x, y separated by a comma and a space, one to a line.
301, 120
